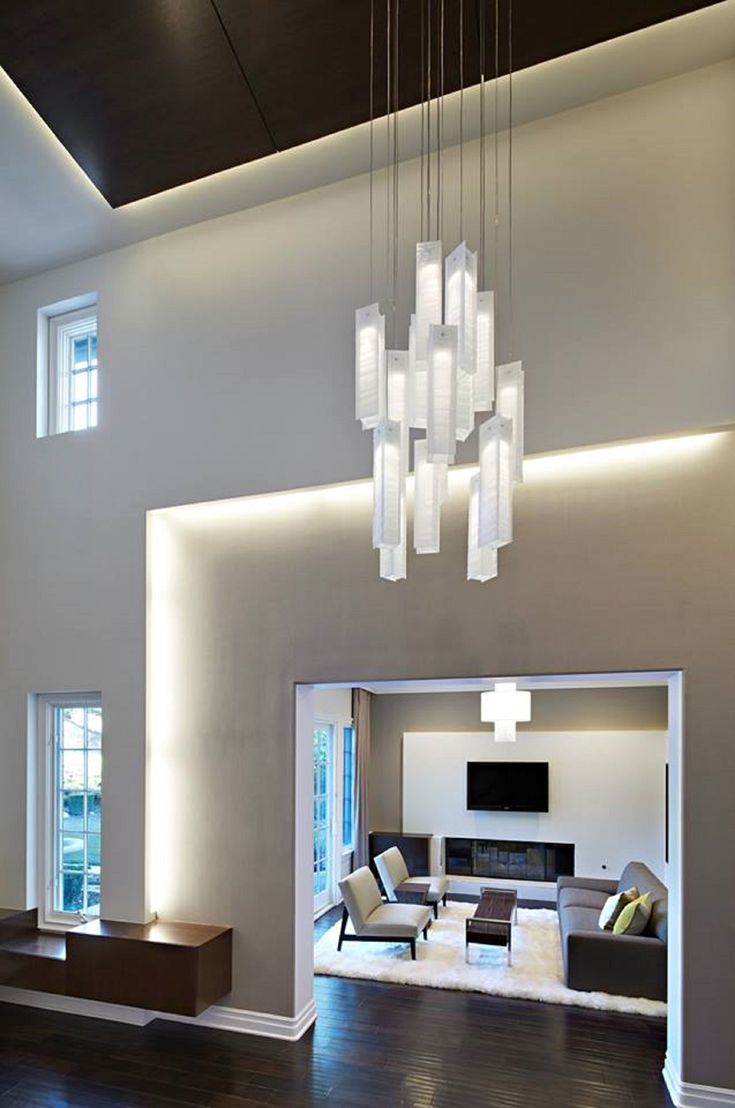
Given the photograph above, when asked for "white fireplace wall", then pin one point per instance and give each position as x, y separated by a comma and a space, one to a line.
606, 793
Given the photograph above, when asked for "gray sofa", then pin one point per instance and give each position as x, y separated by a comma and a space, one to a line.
595, 960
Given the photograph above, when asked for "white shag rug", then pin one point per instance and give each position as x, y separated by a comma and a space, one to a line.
536, 972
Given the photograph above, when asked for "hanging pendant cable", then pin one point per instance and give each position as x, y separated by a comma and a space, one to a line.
461, 119
481, 31
428, 119
388, 25
396, 89
440, 130
511, 336
422, 52
372, 142
496, 162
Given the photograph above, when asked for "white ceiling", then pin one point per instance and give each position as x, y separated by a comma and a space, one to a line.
547, 681
51, 214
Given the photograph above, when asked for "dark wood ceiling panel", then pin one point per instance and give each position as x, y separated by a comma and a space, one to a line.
149, 94
144, 94
308, 61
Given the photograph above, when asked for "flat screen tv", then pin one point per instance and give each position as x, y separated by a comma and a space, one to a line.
508, 786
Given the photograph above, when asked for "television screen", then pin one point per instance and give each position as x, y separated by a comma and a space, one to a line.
508, 786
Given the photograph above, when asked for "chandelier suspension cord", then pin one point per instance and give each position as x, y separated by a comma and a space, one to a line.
422, 30
396, 88
482, 271
372, 145
428, 120
440, 132
461, 119
496, 163
511, 335
388, 26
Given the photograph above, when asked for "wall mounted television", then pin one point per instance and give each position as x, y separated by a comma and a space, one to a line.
508, 786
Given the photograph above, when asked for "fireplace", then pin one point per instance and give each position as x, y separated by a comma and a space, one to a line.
509, 859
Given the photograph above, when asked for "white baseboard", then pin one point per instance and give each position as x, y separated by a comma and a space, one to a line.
239, 1020
251, 1023
76, 1006
685, 1094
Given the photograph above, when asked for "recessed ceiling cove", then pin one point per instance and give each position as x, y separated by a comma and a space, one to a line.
150, 94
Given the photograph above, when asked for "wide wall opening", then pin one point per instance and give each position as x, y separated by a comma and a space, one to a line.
535, 859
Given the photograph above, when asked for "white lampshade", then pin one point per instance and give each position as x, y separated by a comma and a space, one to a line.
428, 293
496, 483
465, 405
397, 392
482, 562
505, 702
460, 309
429, 492
387, 482
393, 558
418, 372
484, 393
441, 422
509, 404
369, 366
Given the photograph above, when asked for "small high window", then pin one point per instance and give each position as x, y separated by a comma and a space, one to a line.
68, 373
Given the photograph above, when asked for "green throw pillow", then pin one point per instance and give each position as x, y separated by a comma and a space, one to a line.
634, 918
613, 906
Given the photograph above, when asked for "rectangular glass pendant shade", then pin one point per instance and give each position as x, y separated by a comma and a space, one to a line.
509, 404
393, 558
495, 490
397, 393
484, 397
429, 492
441, 409
465, 405
460, 310
387, 484
369, 365
418, 372
482, 561
428, 293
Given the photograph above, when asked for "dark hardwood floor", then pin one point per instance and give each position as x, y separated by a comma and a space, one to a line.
374, 1046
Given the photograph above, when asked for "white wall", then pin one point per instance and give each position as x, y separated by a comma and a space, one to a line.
226, 370
606, 793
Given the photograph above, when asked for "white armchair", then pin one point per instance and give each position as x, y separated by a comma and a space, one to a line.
374, 921
395, 877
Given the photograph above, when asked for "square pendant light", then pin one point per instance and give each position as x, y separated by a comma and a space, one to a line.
482, 561
484, 392
465, 405
495, 526
429, 492
441, 408
428, 293
509, 404
369, 366
418, 373
387, 480
505, 706
460, 309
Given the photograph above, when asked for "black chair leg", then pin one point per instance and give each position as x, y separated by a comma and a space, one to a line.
436, 909
342, 928
413, 949
444, 900
426, 932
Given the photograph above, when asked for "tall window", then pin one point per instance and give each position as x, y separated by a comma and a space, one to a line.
348, 786
72, 807
72, 371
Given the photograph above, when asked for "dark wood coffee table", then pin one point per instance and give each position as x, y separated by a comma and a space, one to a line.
492, 923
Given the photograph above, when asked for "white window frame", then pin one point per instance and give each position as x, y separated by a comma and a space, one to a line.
63, 329
48, 830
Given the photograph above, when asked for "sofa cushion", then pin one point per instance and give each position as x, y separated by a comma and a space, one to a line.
638, 873
614, 905
634, 917
576, 918
581, 898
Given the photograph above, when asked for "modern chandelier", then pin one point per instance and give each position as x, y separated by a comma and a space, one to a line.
447, 374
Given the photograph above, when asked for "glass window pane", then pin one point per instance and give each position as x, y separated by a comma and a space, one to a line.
80, 355
79, 418
93, 384
72, 770
94, 727
92, 414
71, 726
80, 387
72, 811
94, 853
94, 771
72, 892
94, 812
72, 852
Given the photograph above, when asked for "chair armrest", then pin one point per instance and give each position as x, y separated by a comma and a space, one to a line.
412, 892
599, 884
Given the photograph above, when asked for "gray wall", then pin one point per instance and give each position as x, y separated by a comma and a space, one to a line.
621, 567
643, 709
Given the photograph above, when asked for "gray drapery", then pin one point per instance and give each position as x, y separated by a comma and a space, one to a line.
361, 720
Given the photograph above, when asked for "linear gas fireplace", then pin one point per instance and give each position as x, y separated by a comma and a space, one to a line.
504, 858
